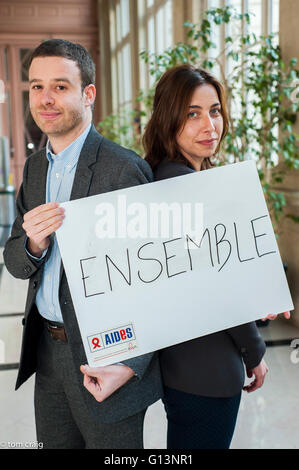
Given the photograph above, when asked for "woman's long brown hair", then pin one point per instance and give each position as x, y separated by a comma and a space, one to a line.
172, 98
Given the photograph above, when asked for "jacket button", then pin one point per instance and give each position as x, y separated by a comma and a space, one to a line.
34, 284
23, 321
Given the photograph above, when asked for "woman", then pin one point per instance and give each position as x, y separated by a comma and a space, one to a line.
204, 377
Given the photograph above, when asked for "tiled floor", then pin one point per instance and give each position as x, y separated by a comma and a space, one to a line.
268, 418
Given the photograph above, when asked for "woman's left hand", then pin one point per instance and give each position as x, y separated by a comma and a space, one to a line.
259, 372
286, 315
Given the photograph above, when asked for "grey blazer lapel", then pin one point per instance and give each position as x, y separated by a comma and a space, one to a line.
41, 179
84, 172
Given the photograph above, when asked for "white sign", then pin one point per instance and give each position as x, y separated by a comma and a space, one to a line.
162, 263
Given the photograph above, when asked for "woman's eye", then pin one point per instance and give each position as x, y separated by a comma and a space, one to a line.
193, 115
216, 111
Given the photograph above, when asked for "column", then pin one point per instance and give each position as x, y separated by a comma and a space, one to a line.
289, 231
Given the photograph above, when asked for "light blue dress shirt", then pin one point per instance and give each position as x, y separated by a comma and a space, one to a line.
60, 178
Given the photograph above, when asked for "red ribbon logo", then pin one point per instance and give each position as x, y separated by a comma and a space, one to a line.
96, 343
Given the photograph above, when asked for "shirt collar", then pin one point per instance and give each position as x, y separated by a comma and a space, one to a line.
69, 156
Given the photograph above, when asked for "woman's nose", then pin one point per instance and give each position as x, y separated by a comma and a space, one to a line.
208, 123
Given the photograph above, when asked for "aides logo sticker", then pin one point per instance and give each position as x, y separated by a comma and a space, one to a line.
109, 338
118, 335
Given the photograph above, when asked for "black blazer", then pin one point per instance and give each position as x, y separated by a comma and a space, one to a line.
211, 365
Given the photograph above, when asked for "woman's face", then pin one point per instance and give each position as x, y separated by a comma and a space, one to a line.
200, 135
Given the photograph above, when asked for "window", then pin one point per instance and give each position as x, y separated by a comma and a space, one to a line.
152, 25
120, 55
155, 20
263, 21
134, 25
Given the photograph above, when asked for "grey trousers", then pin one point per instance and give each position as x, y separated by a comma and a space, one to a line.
62, 418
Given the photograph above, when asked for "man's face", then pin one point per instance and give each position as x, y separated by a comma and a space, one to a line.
57, 103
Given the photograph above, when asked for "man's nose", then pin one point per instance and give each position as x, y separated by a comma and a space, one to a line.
47, 97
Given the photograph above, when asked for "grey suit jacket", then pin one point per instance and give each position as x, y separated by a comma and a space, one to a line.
211, 365
103, 166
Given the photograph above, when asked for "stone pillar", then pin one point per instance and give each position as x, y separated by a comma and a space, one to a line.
289, 231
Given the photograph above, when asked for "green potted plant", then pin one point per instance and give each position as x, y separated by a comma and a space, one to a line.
260, 88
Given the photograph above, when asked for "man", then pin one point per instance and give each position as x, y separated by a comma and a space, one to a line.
107, 411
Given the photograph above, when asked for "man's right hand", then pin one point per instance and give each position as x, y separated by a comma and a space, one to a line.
39, 224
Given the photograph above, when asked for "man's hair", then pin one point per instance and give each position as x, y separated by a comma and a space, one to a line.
71, 51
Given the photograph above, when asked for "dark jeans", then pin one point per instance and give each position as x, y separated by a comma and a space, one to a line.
197, 422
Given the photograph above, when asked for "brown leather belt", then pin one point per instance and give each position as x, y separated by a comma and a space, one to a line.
57, 332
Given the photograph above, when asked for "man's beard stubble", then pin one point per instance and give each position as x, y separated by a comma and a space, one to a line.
62, 127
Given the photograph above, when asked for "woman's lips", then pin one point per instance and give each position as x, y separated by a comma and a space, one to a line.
208, 142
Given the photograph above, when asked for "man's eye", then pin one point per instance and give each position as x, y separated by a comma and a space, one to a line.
61, 87
36, 87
